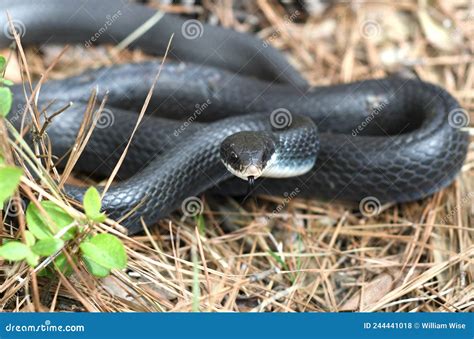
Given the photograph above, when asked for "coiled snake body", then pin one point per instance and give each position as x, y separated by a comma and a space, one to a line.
393, 138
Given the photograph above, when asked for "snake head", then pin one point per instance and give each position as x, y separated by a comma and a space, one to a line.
247, 154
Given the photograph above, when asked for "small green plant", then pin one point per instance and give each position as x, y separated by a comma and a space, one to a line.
201, 224
50, 227
9, 180
6, 96
92, 205
103, 252
281, 262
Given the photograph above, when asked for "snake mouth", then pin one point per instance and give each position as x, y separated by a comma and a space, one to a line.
249, 173
252, 171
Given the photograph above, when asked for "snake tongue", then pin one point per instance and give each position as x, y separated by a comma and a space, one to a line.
252, 171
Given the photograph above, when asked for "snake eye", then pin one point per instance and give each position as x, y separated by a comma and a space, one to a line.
234, 156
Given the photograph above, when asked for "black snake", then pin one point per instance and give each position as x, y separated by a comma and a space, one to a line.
394, 139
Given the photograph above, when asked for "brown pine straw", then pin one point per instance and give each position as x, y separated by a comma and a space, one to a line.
311, 256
